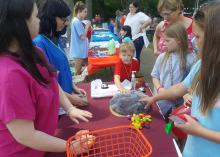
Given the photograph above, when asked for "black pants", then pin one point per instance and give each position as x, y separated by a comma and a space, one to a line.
138, 44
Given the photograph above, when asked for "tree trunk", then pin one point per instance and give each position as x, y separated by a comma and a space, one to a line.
89, 7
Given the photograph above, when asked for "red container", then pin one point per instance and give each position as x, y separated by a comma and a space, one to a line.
180, 110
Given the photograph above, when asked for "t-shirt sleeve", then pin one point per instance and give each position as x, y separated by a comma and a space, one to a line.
16, 100
118, 68
77, 25
144, 17
157, 67
191, 59
188, 80
127, 19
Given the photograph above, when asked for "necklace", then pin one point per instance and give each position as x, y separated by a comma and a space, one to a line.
171, 69
128, 73
57, 46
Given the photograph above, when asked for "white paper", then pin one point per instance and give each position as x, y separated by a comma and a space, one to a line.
98, 92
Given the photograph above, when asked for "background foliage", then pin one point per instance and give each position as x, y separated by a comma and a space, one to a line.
107, 8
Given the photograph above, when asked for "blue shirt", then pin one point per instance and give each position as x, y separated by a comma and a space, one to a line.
78, 47
198, 146
111, 27
169, 73
56, 57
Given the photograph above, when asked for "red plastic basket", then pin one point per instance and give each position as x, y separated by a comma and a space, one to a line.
122, 141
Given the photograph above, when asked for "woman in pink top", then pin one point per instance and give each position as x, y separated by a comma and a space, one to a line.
171, 11
29, 92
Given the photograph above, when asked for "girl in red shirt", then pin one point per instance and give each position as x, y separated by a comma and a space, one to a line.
125, 66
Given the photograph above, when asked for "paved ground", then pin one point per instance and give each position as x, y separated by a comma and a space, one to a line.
147, 63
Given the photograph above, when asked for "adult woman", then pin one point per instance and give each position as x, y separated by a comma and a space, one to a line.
204, 83
29, 92
53, 16
138, 21
79, 41
171, 11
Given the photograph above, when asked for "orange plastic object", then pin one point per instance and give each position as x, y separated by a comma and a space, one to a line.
122, 141
98, 63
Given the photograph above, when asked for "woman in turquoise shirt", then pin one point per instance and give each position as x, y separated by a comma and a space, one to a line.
204, 83
53, 16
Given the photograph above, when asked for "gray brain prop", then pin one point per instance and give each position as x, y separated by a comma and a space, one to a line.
125, 104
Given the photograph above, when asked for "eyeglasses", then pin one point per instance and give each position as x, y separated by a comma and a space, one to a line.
167, 14
65, 19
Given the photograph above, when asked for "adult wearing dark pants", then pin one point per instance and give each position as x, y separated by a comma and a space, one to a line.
138, 21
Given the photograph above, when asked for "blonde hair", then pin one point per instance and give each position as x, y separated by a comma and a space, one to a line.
79, 6
178, 32
124, 47
172, 5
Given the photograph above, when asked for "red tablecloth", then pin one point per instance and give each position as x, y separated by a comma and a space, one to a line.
162, 143
98, 63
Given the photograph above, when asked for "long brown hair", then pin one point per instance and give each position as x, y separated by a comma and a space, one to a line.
178, 32
206, 84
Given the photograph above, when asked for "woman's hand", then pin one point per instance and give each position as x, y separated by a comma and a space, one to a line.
191, 126
188, 99
75, 114
80, 91
76, 100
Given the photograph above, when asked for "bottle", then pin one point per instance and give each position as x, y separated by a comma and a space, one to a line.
133, 81
111, 47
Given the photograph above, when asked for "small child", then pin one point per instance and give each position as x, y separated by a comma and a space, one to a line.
126, 35
172, 66
125, 66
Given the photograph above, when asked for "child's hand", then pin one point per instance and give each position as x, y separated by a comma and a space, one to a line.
147, 100
75, 114
187, 99
161, 90
191, 126
82, 143
124, 91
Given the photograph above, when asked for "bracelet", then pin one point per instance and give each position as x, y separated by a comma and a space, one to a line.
159, 88
69, 110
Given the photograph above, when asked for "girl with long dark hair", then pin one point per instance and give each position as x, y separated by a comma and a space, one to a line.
29, 92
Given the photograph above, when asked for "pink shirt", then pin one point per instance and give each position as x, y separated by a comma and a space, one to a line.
22, 97
161, 40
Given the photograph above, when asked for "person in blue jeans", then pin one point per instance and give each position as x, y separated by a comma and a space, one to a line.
203, 81
53, 16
